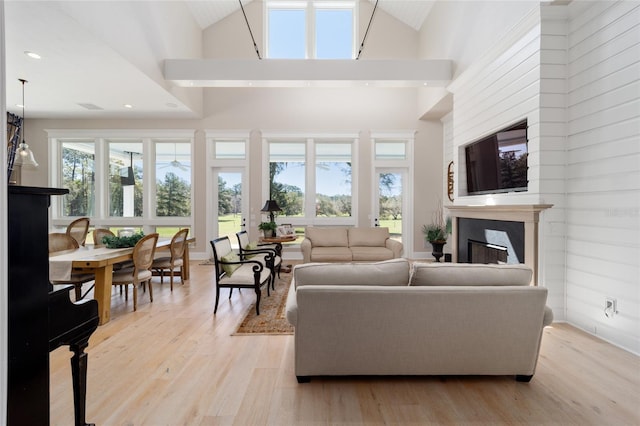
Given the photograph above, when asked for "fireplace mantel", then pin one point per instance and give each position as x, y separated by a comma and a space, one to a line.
529, 214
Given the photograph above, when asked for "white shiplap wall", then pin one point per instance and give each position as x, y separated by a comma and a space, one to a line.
603, 169
523, 76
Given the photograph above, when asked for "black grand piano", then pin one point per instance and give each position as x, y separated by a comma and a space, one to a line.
41, 318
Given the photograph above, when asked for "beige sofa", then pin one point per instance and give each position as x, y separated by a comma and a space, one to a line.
329, 244
452, 319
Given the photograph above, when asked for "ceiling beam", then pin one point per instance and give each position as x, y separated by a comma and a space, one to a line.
301, 73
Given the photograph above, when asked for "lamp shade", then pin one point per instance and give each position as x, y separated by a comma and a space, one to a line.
25, 156
271, 206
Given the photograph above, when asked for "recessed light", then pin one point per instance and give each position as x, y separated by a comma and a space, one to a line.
32, 55
129, 106
20, 105
424, 84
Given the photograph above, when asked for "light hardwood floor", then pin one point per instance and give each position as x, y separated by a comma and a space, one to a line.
174, 363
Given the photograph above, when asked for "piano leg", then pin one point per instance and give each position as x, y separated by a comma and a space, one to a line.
79, 362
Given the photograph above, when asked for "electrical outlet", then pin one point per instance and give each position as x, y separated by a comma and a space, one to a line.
610, 307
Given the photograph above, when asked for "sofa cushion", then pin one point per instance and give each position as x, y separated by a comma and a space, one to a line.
469, 274
331, 254
368, 237
327, 237
388, 273
367, 254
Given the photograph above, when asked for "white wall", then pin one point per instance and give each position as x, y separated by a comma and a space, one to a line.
603, 169
574, 73
464, 31
500, 88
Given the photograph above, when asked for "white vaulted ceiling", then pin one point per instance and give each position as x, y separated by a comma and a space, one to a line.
98, 56
411, 12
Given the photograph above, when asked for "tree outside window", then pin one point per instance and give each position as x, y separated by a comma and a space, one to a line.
78, 172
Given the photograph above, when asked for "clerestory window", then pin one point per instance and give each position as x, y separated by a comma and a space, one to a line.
311, 29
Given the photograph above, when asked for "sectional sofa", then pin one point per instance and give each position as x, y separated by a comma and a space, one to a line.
393, 318
333, 244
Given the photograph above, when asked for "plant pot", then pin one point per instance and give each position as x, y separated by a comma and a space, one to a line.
268, 233
437, 247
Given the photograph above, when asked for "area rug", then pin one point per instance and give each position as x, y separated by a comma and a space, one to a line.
272, 319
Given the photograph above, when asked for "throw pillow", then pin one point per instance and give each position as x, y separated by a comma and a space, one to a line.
251, 246
231, 257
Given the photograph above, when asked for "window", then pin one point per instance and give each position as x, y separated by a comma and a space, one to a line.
287, 33
316, 194
311, 29
173, 178
78, 171
333, 179
386, 150
287, 176
123, 178
230, 150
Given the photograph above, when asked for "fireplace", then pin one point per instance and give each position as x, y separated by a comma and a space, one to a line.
504, 223
492, 240
483, 252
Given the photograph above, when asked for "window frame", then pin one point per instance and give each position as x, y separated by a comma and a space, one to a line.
310, 7
101, 138
309, 217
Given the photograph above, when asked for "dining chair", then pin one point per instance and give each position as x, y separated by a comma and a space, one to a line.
232, 272
175, 260
78, 229
99, 234
254, 250
141, 272
59, 241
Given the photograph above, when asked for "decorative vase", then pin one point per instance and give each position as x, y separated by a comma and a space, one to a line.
437, 247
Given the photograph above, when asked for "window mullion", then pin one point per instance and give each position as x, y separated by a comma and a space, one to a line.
310, 187
311, 31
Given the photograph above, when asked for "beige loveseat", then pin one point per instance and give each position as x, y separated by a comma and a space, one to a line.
329, 244
452, 319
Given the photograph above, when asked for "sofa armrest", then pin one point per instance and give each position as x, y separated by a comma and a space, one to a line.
395, 246
548, 316
291, 309
305, 247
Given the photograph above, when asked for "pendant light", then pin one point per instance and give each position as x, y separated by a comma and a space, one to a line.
25, 156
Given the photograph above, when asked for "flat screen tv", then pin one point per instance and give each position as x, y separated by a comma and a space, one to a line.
498, 162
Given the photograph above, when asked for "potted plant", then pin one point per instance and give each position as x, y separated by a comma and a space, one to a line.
437, 233
268, 228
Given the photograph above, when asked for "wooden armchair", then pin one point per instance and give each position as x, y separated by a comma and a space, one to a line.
260, 252
232, 272
59, 242
141, 272
79, 229
176, 260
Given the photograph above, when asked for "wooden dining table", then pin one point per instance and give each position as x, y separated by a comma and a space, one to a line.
100, 261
